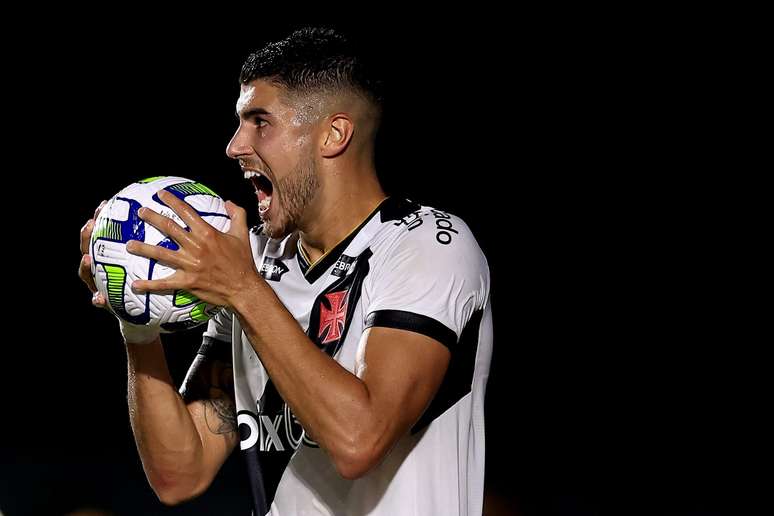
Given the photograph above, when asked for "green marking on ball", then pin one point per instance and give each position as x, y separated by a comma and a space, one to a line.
198, 313
150, 179
107, 228
183, 298
192, 189
116, 276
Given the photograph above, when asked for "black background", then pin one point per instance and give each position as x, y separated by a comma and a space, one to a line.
610, 383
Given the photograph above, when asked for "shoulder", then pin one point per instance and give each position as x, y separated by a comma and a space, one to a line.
427, 266
426, 233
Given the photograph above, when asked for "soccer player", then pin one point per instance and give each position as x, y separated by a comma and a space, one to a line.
353, 349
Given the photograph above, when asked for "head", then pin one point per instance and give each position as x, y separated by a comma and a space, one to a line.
308, 110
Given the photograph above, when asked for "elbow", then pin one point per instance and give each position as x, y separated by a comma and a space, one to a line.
357, 458
170, 499
171, 490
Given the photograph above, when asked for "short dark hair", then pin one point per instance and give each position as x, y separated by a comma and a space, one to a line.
313, 59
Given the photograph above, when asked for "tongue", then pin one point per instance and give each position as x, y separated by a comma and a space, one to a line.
261, 195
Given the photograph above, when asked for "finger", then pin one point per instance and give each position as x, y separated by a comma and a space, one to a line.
167, 226
86, 232
166, 285
238, 217
184, 211
84, 272
165, 256
99, 208
98, 300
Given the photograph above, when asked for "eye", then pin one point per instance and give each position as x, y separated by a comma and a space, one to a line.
260, 122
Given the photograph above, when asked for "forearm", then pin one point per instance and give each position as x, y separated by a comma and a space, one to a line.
167, 440
332, 404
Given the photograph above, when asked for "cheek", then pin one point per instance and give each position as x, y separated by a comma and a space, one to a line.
301, 142
266, 147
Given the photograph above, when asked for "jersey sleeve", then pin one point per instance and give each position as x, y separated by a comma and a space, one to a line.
219, 327
431, 281
216, 346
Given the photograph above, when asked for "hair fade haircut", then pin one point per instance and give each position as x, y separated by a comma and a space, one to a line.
314, 59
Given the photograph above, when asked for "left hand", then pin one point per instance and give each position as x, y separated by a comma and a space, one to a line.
214, 266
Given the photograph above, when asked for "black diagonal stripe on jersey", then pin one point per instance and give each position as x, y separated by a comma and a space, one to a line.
353, 284
458, 380
259, 481
410, 321
264, 469
268, 466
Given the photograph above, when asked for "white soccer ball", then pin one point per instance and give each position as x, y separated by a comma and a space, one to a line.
114, 269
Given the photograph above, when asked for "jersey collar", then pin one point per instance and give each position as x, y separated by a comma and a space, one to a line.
313, 271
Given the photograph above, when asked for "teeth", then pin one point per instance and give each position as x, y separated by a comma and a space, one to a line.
251, 173
263, 206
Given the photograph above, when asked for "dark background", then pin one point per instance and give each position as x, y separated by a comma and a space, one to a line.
610, 386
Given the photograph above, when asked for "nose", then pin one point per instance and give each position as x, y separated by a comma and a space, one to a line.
238, 146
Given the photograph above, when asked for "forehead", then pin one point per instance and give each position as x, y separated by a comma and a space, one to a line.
258, 94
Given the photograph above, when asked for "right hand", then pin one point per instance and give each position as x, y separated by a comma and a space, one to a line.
84, 271
132, 333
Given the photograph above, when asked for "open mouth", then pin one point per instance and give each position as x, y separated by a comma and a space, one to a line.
263, 190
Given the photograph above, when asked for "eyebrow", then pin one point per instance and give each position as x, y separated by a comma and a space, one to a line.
252, 112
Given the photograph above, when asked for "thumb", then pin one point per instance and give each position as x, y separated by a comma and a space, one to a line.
238, 217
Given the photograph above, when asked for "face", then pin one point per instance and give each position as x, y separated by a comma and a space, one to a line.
273, 145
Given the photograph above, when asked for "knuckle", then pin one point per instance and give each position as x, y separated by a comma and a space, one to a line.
87, 228
99, 208
208, 232
86, 278
170, 225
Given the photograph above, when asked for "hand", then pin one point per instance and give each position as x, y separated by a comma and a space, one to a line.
132, 333
214, 266
84, 270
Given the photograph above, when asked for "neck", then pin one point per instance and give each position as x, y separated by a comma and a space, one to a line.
339, 209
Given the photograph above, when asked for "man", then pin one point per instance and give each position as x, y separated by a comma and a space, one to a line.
353, 349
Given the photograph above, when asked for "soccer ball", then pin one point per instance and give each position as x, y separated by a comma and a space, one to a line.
114, 269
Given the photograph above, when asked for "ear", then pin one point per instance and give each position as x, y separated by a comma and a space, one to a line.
337, 135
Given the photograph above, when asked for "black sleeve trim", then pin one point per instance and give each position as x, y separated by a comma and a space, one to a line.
215, 349
410, 321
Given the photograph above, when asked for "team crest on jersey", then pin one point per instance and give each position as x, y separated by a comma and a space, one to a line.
273, 269
333, 320
343, 265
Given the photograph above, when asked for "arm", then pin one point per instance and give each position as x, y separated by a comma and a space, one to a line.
356, 420
183, 440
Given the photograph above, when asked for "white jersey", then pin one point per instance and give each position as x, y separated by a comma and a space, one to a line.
406, 266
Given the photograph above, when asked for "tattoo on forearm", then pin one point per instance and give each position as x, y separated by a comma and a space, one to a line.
220, 415
213, 384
